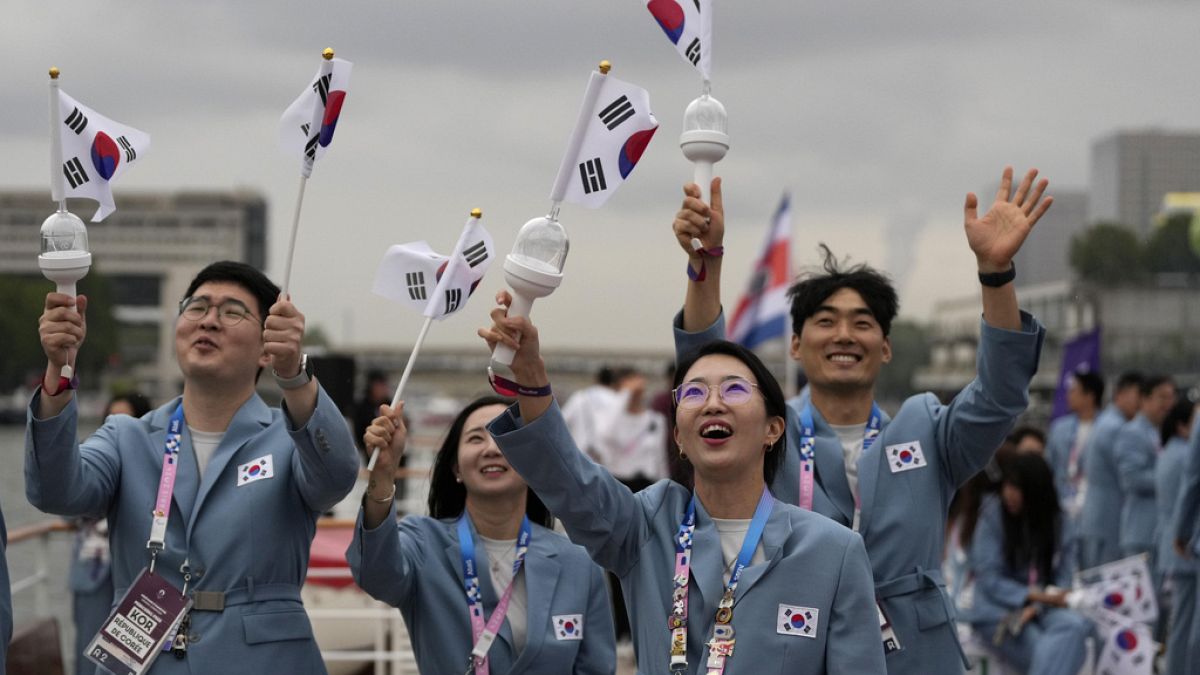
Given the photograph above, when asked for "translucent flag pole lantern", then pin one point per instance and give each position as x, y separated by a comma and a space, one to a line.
65, 258
533, 270
704, 141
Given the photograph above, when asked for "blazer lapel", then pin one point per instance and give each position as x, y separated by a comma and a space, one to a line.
186, 480
542, 571
775, 534
252, 418
868, 473
708, 562
831, 467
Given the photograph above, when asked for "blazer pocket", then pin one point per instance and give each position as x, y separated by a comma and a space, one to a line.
275, 626
931, 609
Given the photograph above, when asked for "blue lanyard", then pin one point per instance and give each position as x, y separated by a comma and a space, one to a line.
808, 434
484, 634
721, 645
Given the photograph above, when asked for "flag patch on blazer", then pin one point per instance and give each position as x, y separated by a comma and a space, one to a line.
568, 626
255, 470
801, 621
905, 456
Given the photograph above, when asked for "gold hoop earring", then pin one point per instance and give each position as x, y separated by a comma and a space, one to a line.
682, 454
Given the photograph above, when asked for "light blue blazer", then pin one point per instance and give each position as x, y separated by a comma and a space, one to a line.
1101, 516
1135, 454
1169, 476
1059, 439
416, 566
810, 563
6, 618
904, 514
250, 542
1000, 589
1187, 509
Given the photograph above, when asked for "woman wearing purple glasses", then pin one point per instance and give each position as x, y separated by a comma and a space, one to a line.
722, 580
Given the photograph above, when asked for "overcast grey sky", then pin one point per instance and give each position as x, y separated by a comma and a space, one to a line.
877, 116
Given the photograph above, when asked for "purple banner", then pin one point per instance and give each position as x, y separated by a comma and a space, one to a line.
1081, 354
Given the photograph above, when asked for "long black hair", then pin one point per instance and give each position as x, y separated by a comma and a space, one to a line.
1031, 538
773, 396
447, 496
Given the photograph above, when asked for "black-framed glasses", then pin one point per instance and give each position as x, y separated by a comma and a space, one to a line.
230, 313
734, 391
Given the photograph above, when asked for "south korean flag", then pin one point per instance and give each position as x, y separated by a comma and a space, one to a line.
614, 128
1128, 650
797, 621
905, 456
688, 25
433, 284
95, 151
306, 127
1122, 586
568, 626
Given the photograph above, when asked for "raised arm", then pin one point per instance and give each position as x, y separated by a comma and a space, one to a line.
386, 559
698, 221
999, 234
597, 511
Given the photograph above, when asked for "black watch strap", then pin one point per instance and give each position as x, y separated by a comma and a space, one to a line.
998, 279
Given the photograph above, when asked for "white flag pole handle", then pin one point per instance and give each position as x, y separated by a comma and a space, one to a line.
287, 270
702, 176
521, 305
57, 191
408, 368
571, 157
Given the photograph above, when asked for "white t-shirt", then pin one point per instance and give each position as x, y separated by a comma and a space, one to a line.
733, 533
205, 443
501, 555
630, 444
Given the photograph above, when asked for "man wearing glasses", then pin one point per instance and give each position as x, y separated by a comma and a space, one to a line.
247, 484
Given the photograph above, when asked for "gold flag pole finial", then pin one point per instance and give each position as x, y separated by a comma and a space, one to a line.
53, 73
605, 66
328, 53
476, 213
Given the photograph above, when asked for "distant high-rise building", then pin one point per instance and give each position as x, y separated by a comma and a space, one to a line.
148, 250
1045, 257
1131, 171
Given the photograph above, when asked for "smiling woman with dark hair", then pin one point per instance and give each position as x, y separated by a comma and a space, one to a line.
706, 571
542, 606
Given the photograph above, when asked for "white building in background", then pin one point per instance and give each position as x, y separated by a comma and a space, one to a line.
149, 249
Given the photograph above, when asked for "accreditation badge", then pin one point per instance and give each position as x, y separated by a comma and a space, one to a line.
133, 635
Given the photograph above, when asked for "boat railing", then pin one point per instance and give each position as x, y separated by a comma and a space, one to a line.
388, 647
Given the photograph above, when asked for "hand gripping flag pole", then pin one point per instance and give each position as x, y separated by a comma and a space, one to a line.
436, 285
612, 130
307, 127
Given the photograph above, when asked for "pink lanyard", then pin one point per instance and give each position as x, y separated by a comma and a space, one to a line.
485, 635
166, 485
808, 444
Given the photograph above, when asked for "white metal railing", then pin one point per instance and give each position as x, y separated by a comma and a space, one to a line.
389, 648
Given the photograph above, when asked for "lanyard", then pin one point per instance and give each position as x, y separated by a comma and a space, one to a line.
808, 444
721, 645
485, 634
166, 485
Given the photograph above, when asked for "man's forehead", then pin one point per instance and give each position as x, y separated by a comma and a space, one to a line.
219, 291
844, 300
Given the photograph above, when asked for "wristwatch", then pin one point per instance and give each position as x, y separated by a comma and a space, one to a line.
296, 381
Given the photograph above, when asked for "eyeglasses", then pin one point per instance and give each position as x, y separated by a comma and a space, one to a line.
230, 312
735, 391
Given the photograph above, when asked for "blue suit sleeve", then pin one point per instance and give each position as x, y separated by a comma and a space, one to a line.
326, 464
1134, 457
598, 512
595, 655
64, 477
854, 644
973, 426
686, 343
6, 623
1187, 508
385, 561
987, 561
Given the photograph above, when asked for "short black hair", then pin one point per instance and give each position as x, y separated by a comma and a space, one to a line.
264, 290
447, 496
1021, 433
776, 404
812, 290
1127, 379
1090, 382
1152, 382
1180, 413
137, 402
